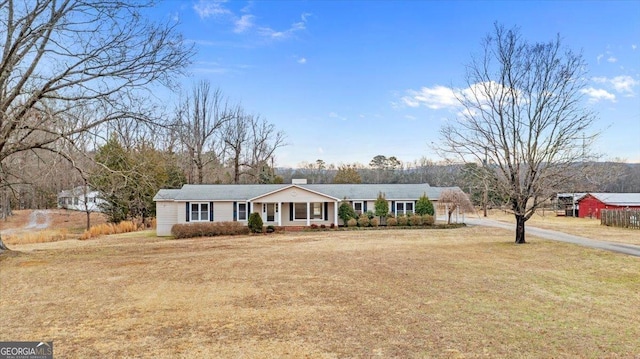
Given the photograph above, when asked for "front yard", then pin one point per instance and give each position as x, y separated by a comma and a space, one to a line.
466, 292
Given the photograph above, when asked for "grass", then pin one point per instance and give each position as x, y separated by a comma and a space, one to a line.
584, 227
463, 293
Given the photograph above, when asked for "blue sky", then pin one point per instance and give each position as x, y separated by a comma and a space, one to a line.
348, 80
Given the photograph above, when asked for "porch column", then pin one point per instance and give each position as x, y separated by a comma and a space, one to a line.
250, 209
335, 213
308, 214
279, 214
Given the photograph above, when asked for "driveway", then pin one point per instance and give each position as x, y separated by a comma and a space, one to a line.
629, 249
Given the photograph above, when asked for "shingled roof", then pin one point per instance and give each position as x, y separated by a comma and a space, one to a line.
245, 192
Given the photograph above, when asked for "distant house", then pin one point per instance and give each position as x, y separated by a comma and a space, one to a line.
80, 199
296, 204
591, 204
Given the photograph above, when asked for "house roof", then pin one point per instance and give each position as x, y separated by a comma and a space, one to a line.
617, 199
245, 192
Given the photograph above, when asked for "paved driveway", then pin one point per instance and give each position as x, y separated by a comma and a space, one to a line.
629, 249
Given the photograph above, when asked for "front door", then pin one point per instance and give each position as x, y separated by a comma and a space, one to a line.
269, 212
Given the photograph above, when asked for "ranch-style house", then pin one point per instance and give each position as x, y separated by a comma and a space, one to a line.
297, 204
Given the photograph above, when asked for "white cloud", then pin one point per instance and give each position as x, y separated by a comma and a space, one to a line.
596, 95
244, 23
435, 98
599, 57
285, 34
409, 117
624, 84
206, 9
634, 46
335, 115
612, 59
302, 61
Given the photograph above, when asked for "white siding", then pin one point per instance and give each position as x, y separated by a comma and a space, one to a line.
166, 217
294, 195
223, 211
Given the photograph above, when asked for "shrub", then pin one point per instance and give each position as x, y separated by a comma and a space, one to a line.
415, 220
313, 226
424, 206
208, 229
323, 226
110, 228
392, 222
369, 214
381, 205
374, 222
271, 229
402, 220
332, 226
363, 220
346, 212
352, 222
255, 223
428, 220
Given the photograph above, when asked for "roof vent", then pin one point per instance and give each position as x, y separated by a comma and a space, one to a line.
298, 181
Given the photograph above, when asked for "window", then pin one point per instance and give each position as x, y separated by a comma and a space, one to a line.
316, 211
199, 212
91, 199
242, 211
299, 211
358, 206
75, 201
405, 208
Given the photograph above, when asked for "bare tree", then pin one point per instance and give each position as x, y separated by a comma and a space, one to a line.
454, 200
524, 108
59, 55
199, 119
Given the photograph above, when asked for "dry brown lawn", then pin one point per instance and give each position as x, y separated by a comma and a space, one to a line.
585, 227
64, 224
463, 293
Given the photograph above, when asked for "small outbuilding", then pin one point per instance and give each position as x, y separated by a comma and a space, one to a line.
591, 204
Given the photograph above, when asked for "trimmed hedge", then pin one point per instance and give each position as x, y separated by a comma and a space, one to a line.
208, 229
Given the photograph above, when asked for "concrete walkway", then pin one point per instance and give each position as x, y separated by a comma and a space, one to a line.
630, 249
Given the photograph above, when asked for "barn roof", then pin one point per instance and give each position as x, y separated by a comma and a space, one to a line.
617, 199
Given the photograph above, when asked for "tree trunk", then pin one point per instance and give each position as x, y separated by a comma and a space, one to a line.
88, 220
3, 247
520, 228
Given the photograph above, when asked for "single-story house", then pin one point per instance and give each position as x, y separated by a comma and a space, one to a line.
80, 198
591, 203
296, 204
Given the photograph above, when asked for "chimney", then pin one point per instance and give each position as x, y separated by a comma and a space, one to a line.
298, 181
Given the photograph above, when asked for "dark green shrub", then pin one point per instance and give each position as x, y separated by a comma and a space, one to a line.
271, 229
208, 229
352, 222
369, 214
424, 206
346, 212
363, 220
392, 222
428, 220
381, 205
255, 223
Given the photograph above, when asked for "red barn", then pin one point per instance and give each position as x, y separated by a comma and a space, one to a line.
591, 204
